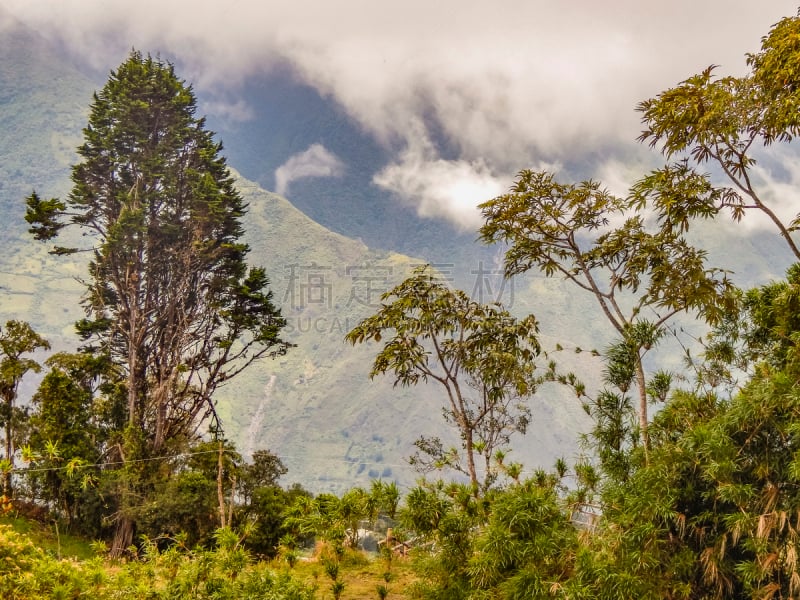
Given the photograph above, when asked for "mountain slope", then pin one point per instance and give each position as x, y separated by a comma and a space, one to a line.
315, 407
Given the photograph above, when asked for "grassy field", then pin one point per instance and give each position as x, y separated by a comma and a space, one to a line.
50, 539
361, 573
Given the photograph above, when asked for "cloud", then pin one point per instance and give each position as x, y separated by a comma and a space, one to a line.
316, 161
229, 110
508, 84
441, 188
777, 181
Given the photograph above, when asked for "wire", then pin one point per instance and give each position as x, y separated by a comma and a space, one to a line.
115, 463
187, 455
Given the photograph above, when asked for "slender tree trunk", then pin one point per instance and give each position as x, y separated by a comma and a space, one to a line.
160, 399
131, 349
7, 491
223, 521
460, 413
473, 473
643, 422
9, 402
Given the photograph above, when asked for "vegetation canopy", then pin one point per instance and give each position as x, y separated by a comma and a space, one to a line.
481, 355
169, 297
698, 501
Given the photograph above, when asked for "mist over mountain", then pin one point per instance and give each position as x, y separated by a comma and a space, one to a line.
316, 407
340, 220
286, 122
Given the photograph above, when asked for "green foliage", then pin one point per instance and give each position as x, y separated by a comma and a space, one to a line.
26, 573
170, 299
185, 504
268, 533
43, 216
70, 429
386, 497
444, 517
527, 548
516, 542
722, 121
264, 470
713, 512
565, 229
17, 341
771, 325
332, 519
481, 355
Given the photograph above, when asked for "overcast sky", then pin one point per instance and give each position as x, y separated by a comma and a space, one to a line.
518, 83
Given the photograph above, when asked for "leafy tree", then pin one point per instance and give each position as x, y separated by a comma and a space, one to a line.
721, 122
515, 542
266, 515
480, 354
264, 471
716, 130
186, 505
75, 422
330, 518
170, 298
185, 502
764, 329
386, 497
714, 513
444, 517
63, 439
564, 229
262, 503
649, 538
527, 548
17, 341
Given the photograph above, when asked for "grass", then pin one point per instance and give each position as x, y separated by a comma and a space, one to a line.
361, 575
50, 539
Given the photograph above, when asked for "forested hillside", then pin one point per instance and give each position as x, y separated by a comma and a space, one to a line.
362, 429
234, 400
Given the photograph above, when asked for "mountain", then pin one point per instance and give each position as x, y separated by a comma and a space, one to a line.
329, 252
316, 407
287, 118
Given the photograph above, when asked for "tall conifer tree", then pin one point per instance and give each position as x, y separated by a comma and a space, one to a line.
169, 295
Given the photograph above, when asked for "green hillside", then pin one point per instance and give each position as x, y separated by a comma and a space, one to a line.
315, 407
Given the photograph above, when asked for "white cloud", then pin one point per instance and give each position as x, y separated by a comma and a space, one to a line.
441, 188
230, 110
509, 83
316, 161
779, 188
